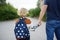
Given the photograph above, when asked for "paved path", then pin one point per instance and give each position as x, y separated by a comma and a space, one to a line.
7, 33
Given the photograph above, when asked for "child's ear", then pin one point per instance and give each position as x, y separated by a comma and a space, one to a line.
27, 21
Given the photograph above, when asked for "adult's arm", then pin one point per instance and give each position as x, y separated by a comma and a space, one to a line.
43, 10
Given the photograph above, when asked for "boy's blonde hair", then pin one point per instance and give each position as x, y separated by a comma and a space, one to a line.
23, 12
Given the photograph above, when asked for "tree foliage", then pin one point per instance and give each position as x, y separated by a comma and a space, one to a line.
7, 12
34, 12
2, 2
38, 3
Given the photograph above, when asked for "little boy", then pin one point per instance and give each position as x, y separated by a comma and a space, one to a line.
21, 31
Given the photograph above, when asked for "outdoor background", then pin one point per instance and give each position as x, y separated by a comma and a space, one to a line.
9, 12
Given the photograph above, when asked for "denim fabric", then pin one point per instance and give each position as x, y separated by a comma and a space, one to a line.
51, 27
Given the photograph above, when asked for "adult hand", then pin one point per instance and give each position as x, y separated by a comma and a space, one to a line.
39, 23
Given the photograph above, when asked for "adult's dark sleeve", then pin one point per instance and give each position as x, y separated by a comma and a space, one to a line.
46, 2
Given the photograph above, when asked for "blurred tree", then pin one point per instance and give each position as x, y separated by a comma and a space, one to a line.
31, 12
7, 11
34, 12
38, 3
2, 2
37, 11
41, 3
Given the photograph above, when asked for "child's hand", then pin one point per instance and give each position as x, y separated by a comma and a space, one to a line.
35, 27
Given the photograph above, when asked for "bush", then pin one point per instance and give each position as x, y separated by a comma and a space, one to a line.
31, 12
34, 12
37, 11
7, 12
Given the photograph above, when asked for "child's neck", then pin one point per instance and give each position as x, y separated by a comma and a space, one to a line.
23, 17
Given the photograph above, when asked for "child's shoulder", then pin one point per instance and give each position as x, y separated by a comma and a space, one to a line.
17, 20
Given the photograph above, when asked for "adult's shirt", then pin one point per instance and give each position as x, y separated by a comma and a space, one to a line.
53, 10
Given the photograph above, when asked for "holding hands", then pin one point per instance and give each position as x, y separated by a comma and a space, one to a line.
34, 27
